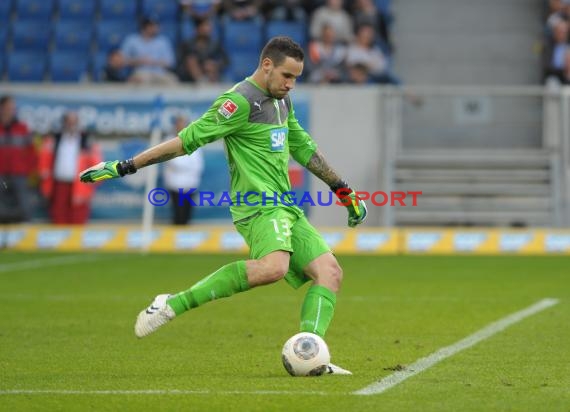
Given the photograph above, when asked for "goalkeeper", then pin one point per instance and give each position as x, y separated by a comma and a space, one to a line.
257, 121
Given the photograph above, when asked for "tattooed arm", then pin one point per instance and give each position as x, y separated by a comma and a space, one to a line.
355, 205
318, 166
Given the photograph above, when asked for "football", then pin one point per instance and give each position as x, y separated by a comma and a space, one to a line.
305, 354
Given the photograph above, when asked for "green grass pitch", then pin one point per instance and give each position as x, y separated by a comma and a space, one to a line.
66, 324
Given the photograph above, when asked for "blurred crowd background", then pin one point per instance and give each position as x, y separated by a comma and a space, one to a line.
199, 41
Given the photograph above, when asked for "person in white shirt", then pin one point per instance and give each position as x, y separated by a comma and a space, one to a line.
62, 156
182, 174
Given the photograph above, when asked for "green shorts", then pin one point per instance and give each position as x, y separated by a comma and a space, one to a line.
282, 228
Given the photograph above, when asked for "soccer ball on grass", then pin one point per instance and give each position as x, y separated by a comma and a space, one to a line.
305, 354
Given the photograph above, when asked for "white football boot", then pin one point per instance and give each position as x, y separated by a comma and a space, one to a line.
153, 317
336, 370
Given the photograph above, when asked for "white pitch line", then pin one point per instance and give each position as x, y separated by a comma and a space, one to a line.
55, 261
152, 392
424, 363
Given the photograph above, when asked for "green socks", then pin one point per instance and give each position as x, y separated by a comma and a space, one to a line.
318, 310
316, 313
224, 282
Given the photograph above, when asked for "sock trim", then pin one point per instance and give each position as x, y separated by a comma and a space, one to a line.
242, 271
324, 292
318, 314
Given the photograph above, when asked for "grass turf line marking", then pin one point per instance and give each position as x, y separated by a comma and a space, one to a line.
55, 261
424, 363
152, 392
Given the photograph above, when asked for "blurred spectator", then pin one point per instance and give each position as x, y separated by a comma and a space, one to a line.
290, 10
18, 162
242, 9
556, 50
358, 74
332, 14
202, 59
561, 12
150, 54
326, 58
565, 75
311, 5
115, 68
554, 6
183, 173
199, 9
62, 157
364, 51
366, 12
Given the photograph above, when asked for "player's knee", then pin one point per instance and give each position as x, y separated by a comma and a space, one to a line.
331, 276
335, 276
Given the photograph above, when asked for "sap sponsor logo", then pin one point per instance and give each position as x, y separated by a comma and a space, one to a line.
371, 241
48, 239
333, 238
468, 242
97, 238
424, 241
136, 238
514, 242
14, 237
278, 137
231, 241
555, 242
189, 240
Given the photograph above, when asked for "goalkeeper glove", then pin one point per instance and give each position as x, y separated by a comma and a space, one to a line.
108, 170
355, 206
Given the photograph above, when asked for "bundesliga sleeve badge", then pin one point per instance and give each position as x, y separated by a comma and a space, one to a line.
228, 108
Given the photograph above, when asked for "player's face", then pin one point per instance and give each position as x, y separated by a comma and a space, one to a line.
281, 79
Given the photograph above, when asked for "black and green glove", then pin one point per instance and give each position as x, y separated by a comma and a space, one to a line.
108, 170
355, 206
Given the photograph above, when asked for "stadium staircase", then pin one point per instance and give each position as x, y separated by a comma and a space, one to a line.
478, 187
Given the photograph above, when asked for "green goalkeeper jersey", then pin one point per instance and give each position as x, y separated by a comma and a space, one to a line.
259, 132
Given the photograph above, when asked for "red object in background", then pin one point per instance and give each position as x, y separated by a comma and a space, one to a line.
17, 152
296, 176
62, 208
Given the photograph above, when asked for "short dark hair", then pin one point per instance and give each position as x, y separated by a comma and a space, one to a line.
278, 48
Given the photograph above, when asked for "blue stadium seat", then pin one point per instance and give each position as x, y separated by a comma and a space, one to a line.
242, 64
3, 37
2, 64
73, 35
110, 34
242, 36
30, 35
187, 29
118, 10
26, 66
293, 29
98, 62
160, 9
35, 9
384, 6
68, 66
77, 10
170, 31
5, 10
